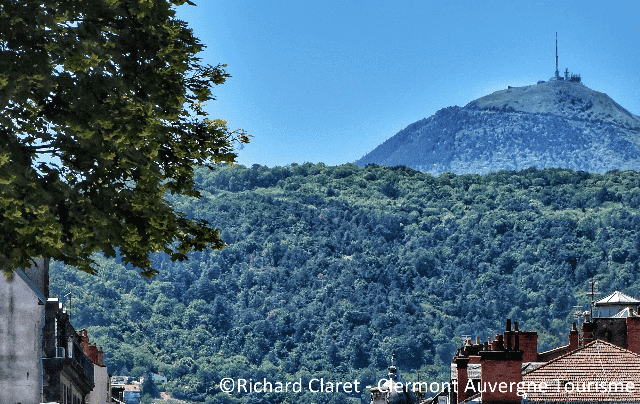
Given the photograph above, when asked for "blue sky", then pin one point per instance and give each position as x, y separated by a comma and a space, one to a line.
328, 81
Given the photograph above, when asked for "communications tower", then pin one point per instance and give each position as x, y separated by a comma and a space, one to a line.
557, 72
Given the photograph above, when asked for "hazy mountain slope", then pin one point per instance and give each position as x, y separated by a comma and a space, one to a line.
552, 124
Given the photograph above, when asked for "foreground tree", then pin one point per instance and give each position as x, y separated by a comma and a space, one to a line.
102, 114
149, 387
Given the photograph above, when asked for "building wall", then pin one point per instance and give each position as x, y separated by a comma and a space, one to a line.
70, 393
64, 361
38, 275
21, 322
101, 393
610, 310
132, 396
612, 330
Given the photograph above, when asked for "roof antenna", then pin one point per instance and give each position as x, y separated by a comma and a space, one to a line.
593, 295
70, 295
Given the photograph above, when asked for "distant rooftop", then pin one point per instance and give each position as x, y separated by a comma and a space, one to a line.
626, 312
617, 298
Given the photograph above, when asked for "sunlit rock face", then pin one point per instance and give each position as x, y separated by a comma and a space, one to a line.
551, 124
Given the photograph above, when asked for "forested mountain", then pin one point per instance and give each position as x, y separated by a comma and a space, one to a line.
552, 124
328, 270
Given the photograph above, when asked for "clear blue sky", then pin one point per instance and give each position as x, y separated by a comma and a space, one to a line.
328, 81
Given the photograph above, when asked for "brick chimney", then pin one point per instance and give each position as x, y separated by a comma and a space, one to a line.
633, 334
95, 355
502, 370
498, 343
528, 342
573, 337
463, 377
84, 340
508, 336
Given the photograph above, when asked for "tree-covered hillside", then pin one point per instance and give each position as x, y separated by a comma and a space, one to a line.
328, 270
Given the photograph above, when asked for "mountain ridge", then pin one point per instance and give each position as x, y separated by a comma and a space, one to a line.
551, 124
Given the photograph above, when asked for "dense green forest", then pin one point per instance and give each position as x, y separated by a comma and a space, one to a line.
328, 270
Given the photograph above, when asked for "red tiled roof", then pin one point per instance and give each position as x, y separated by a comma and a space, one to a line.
474, 397
546, 356
599, 363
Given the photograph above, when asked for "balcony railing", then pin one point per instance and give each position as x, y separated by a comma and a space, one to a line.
82, 360
68, 348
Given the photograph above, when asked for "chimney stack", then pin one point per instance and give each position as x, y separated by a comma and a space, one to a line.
463, 377
633, 334
494, 343
502, 366
573, 337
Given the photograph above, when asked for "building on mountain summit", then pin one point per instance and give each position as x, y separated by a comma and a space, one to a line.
567, 76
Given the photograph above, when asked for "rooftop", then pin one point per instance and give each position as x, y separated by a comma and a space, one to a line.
599, 363
617, 297
626, 312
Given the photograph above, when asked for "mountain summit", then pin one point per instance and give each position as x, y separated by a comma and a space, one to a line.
569, 99
549, 124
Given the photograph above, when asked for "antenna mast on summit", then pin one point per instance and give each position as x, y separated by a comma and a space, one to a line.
557, 72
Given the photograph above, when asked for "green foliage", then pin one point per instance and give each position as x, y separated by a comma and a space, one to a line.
149, 387
328, 284
101, 116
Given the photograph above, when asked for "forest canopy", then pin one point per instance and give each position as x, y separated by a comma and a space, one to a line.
329, 270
